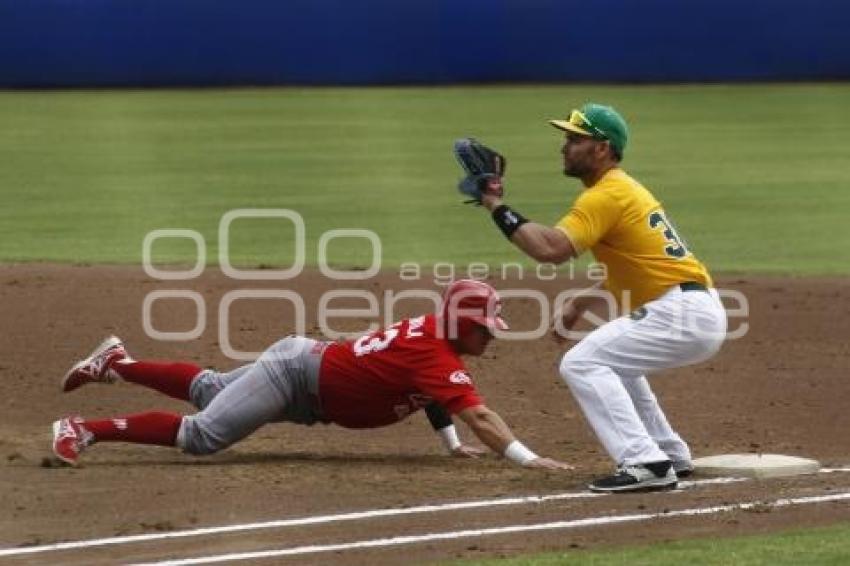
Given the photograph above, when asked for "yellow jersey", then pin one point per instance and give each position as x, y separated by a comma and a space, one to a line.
627, 230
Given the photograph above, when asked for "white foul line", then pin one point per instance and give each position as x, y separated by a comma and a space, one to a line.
320, 519
315, 520
412, 539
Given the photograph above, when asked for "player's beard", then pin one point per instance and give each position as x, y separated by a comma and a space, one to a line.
578, 170
578, 166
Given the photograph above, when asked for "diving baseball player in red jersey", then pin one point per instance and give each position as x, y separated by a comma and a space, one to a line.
372, 381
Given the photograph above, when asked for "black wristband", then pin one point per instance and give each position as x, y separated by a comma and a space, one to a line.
508, 220
438, 416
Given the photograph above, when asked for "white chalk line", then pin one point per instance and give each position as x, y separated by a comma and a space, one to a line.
453, 535
353, 516
321, 519
314, 520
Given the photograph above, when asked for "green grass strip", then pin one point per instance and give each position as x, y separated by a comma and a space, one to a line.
822, 546
755, 176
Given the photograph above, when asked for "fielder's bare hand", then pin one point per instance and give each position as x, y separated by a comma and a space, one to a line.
547, 464
466, 451
568, 316
570, 313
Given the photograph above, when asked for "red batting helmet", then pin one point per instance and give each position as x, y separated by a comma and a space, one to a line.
475, 301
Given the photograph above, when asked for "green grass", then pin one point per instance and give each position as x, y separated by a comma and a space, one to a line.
824, 546
755, 176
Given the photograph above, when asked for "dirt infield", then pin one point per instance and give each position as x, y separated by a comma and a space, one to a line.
782, 388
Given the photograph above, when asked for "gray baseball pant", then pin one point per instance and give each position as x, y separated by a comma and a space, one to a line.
282, 385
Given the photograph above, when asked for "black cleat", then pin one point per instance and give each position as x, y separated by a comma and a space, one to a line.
652, 476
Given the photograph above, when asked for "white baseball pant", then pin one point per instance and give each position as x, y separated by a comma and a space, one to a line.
606, 371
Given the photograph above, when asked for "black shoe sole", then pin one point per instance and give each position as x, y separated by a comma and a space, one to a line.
636, 489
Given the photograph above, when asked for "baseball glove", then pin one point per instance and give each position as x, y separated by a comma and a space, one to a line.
484, 169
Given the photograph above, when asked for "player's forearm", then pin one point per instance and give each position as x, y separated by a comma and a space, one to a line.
540, 242
488, 427
492, 431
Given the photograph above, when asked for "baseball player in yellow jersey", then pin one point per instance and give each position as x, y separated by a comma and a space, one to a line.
676, 316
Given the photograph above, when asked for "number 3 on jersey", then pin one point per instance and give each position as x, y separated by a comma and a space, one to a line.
374, 342
382, 339
677, 247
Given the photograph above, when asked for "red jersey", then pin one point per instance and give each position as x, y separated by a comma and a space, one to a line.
381, 378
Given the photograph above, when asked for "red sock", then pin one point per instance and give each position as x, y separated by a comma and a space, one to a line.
173, 379
145, 428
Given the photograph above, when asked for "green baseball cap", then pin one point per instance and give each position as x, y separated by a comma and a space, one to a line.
599, 122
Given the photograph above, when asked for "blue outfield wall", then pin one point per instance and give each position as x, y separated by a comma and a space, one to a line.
310, 42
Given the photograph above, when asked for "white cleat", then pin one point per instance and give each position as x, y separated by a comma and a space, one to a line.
98, 366
69, 439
